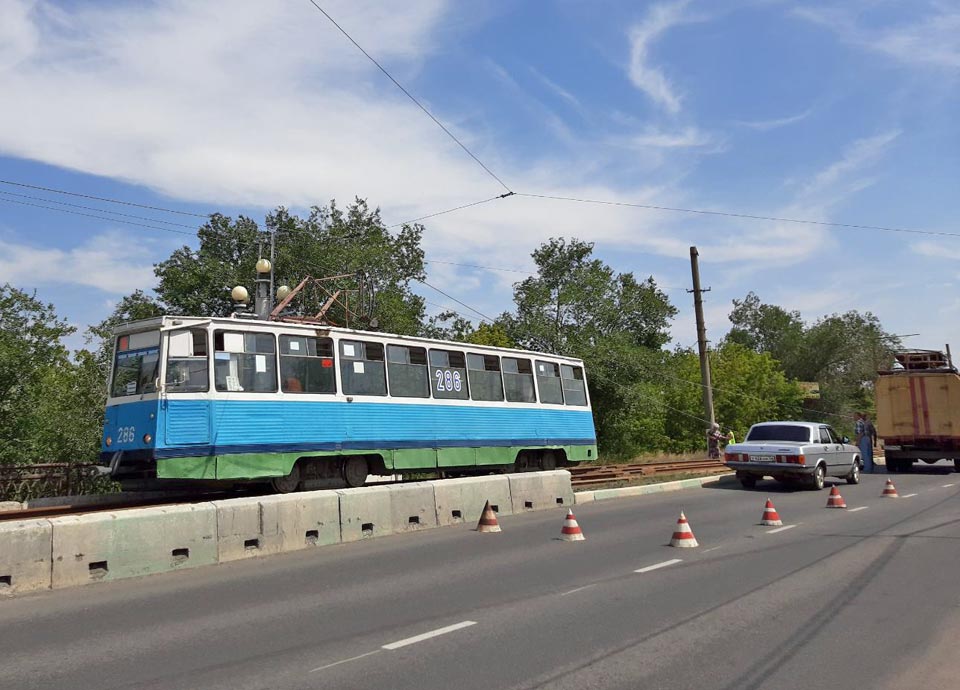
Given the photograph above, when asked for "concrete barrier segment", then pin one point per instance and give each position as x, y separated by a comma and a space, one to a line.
246, 528
304, 520
413, 507
645, 489
540, 490
107, 546
25, 556
10, 505
461, 500
365, 512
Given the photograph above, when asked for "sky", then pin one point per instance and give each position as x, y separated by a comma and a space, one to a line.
827, 112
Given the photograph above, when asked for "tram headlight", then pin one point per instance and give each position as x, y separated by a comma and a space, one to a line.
147, 438
109, 441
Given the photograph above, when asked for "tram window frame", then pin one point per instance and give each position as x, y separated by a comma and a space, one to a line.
255, 352
448, 375
363, 353
571, 394
480, 377
518, 386
197, 352
549, 386
308, 368
139, 348
407, 371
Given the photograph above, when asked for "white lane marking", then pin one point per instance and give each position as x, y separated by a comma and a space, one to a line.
712, 548
578, 589
657, 566
780, 529
947, 486
853, 510
427, 635
343, 661
908, 496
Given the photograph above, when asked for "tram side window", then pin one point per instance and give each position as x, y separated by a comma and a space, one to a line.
574, 389
188, 364
407, 371
548, 382
362, 368
518, 380
485, 380
135, 365
245, 362
448, 375
306, 365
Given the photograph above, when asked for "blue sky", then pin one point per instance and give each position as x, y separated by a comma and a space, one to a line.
836, 112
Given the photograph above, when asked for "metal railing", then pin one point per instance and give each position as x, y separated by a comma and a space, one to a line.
25, 482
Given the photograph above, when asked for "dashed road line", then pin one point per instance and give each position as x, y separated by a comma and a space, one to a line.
427, 635
712, 548
657, 566
908, 495
854, 510
780, 529
578, 589
947, 486
343, 661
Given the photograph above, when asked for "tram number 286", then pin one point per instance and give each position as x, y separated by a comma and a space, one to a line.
448, 380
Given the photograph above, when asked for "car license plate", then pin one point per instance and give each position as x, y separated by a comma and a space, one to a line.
763, 458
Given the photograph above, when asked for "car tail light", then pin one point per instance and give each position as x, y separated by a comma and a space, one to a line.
731, 457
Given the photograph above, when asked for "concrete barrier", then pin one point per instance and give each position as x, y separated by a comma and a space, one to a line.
305, 519
25, 548
246, 527
109, 546
10, 505
375, 511
540, 490
646, 489
461, 500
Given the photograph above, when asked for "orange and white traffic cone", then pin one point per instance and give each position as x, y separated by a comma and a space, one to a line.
770, 516
835, 500
488, 520
683, 535
571, 530
889, 491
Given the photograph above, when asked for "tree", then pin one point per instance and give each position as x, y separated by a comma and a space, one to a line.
577, 305
133, 307
769, 328
330, 241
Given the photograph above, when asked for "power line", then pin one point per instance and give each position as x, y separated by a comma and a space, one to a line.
92, 208
90, 215
729, 214
486, 268
451, 210
462, 304
101, 198
411, 97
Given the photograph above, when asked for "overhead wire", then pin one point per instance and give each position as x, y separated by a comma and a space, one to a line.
451, 210
411, 97
90, 215
102, 198
93, 208
462, 304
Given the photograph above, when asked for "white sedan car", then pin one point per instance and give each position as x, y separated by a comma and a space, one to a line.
793, 451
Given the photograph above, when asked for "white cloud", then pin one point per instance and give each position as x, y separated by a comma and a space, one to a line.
688, 137
930, 40
776, 123
96, 263
645, 76
937, 250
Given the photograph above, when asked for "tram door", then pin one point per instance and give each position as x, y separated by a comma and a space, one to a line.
187, 415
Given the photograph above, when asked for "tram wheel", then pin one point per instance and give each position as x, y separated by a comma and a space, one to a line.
355, 470
288, 484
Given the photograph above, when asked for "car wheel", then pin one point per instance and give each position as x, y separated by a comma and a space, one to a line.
816, 481
854, 476
748, 482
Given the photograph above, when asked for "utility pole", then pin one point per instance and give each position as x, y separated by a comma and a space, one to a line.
701, 336
273, 263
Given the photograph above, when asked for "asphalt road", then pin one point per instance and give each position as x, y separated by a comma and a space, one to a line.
865, 597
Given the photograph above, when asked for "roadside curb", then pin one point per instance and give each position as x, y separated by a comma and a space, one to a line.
646, 489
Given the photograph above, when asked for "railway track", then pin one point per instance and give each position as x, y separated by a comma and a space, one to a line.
581, 477
603, 474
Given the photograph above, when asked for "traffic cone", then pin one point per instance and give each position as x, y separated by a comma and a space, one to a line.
571, 530
889, 491
835, 500
683, 535
488, 520
770, 516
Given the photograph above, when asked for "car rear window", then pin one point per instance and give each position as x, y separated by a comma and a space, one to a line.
779, 432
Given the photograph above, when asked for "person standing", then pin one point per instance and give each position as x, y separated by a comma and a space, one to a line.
864, 442
714, 437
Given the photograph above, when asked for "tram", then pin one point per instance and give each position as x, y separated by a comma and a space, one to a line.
224, 402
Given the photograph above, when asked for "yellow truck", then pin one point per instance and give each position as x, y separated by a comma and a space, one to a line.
918, 409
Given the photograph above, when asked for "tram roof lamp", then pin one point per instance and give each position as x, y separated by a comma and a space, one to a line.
263, 266
283, 291
240, 294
